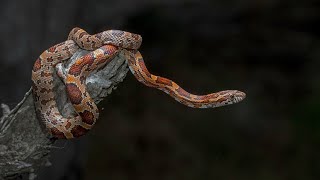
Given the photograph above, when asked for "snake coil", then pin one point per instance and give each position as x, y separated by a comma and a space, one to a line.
104, 46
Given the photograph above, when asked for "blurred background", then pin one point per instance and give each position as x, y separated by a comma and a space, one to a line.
269, 49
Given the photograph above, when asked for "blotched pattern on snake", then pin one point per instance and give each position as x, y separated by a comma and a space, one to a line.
104, 46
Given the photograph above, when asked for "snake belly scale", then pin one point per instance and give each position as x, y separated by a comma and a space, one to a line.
104, 46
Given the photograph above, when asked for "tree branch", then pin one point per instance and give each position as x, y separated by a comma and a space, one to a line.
24, 145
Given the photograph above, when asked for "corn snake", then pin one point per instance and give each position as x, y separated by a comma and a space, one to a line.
104, 46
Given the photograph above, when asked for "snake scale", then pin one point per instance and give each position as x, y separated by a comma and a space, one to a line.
104, 46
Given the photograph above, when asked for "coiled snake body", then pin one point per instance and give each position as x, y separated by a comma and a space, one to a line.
104, 47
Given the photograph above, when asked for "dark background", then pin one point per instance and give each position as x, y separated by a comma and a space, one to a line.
266, 48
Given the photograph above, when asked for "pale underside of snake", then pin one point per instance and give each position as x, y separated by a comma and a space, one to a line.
104, 47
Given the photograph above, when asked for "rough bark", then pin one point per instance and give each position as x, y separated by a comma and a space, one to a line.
24, 144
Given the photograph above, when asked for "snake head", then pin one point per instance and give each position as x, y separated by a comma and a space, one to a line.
226, 97
237, 96
231, 97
